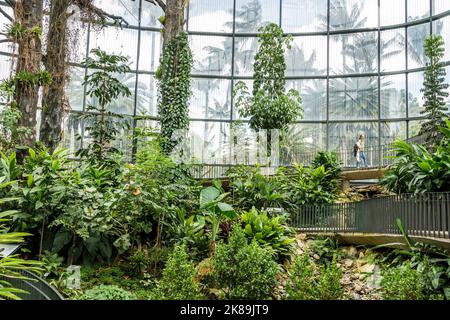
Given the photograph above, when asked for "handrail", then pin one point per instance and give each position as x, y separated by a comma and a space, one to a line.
426, 215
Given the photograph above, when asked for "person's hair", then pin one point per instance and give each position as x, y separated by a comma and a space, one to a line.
361, 136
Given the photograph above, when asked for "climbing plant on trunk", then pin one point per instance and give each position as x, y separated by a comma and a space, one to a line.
434, 91
26, 31
269, 106
174, 76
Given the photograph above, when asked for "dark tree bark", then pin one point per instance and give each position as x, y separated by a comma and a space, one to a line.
55, 61
174, 19
29, 14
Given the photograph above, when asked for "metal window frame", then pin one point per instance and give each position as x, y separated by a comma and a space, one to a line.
233, 77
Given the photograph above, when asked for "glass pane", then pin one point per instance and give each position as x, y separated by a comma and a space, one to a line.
442, 27
211, 16
393, 96
212, 55
253, 14
313, 13
414, 128
415, 98
129, 10
354, 98
6, 63
440, 6
75, 89
4, 22
308, 56
210, 141
343, 136
302, 142
116, 41
71, 130
353, 14
314, 97
392, 12
150, 50
354, 53
393, 50
416, 38
210, 99
418, 9
150, 15
147, 95
391, 131
244, 55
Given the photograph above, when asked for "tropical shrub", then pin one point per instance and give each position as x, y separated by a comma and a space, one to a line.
178, 279
103, 88
403, 283
270, 232
107, 292
307, 282
333, 170
243, 270
416, 170
11, 266
306, 186
253, 189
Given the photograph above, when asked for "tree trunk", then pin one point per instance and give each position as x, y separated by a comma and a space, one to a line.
29, 14
174, 19
54, 99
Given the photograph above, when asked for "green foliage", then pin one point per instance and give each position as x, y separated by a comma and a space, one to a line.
17, 31
270, 232
306, 186
333, 170
107, 292
52, 263
103, 88
174, 76
269, 107
434, 90
327, 248
416, 170
403, 283
242, 270
253, 189
306, 282
431, 262
11, 266
178, 280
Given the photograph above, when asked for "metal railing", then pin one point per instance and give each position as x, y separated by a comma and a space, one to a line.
426, 215
36, 287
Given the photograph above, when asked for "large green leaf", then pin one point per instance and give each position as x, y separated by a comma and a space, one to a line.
207, 196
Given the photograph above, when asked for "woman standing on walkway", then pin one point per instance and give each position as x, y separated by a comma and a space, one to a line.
360, 155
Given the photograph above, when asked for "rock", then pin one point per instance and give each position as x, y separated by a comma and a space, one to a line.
358, 288
338, 265
316, 256
361, 254
366, 268
356, 296
352, 251
374, 280
348, 263
301, 236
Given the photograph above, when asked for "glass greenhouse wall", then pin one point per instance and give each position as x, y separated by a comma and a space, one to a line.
358, 65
